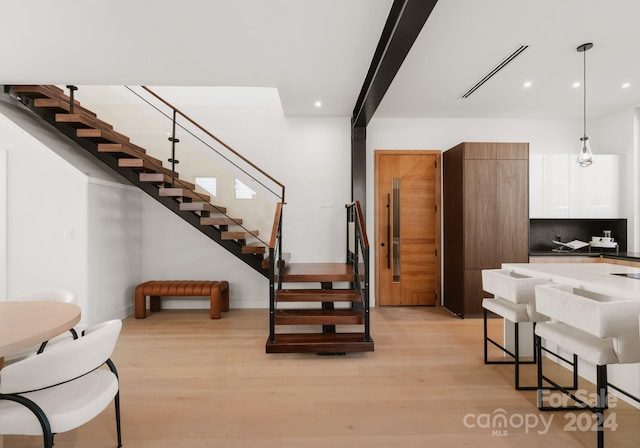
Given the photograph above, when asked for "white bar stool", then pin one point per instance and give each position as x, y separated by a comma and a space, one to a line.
601, 330
514, 301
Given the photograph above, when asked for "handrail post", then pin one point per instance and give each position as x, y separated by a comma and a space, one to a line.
72, 89
367, 327
173, 159
275, 265
280, 251
272, 297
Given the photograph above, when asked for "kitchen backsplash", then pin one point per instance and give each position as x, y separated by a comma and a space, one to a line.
542, 232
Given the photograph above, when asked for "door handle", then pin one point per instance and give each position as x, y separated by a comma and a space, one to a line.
388, 231
396, 230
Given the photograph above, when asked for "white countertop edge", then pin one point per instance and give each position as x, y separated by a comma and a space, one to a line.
596, 277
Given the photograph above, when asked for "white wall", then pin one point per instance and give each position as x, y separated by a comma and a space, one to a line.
316, 168
114, 239
38, 255
3, 223
66, 228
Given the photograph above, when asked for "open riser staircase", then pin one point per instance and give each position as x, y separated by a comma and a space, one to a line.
319, 322
148, 173
310, 309
316, 327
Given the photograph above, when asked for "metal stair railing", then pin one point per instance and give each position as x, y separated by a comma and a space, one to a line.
275, 266
193, 151
358, 257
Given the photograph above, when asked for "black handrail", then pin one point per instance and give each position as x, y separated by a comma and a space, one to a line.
358, 246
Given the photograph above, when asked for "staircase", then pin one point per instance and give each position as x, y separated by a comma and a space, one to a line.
317, 314
148, 173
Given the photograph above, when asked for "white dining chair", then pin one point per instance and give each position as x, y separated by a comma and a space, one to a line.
601, 330
62, 388
514, 301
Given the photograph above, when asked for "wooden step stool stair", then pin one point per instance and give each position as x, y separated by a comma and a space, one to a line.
318, 312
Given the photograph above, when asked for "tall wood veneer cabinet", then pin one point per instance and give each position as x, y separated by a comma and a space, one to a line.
486, 217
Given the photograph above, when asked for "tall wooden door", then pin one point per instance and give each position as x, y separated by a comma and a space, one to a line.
407, 227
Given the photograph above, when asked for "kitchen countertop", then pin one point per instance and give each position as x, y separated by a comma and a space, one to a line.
564, 253
596, 277
631, 256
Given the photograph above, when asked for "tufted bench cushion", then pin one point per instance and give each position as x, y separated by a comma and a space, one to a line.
218, 291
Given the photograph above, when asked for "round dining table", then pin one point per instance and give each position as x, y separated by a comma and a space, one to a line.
27, 324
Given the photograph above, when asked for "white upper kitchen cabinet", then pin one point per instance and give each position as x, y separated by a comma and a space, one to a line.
559, 188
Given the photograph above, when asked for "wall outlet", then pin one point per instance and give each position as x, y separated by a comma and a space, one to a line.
327, 203
68, 234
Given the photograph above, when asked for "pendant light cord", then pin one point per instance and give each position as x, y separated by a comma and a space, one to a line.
584, 96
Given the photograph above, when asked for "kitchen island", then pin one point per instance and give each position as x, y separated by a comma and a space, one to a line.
616, 281
602, 278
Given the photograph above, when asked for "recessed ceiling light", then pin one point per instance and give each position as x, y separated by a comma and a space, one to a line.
576, 84
527, 84
626, 85
318, 104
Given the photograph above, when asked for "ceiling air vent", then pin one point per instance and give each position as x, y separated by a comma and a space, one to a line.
496, 69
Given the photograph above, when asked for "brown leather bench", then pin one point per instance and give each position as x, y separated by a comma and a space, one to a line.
218, 291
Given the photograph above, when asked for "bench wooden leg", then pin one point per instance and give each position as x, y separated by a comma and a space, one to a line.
219, 299
140, 302
154, 303
224, 295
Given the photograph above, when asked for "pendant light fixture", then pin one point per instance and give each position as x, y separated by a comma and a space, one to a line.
585, 157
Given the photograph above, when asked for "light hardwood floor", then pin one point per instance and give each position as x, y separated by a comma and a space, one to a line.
189, 381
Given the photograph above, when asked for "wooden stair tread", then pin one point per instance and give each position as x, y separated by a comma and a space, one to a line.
119, 148
318, 295
38, 91
239, 235
177, 192
319, 317
257, 249
60, 104
286, 258
143, 165
48, 96
102, 135
319, 343
162, 178
82, 120
220, 221
199, 206
318, 272
129, 150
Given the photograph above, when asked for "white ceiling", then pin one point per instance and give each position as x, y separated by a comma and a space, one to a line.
321, 50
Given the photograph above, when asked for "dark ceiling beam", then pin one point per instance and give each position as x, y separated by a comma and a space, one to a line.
404, 23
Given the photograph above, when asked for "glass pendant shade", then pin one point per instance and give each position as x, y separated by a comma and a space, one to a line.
585, 157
